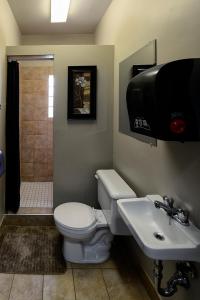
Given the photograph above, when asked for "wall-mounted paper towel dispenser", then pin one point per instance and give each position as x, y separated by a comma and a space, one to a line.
164, 101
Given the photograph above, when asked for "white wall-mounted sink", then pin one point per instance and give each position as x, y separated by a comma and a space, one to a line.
159, 236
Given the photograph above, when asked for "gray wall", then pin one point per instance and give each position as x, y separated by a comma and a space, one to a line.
171, 168
80, 147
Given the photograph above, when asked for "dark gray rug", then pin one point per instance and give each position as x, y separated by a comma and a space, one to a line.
31, 250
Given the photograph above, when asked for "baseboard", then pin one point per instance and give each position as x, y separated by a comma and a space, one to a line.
147, 284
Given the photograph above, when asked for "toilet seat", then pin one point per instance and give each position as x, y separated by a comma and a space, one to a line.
75, 215
78, 220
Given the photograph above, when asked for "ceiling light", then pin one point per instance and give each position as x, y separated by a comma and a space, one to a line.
59, 10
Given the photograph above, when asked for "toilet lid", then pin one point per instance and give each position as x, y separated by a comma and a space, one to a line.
75, 215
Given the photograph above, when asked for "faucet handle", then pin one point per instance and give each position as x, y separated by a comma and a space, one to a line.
169, 201
183, 215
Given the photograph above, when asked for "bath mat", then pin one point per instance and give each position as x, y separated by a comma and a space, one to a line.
31, 250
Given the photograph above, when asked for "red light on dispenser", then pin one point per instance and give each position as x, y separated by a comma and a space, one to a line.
177, 126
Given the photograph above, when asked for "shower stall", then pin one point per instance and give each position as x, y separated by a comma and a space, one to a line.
36, 99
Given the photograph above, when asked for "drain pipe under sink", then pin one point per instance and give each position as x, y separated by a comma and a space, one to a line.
184, 270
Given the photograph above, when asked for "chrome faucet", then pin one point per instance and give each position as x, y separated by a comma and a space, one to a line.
179, 214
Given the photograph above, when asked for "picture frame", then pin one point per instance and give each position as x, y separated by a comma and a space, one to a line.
82, 85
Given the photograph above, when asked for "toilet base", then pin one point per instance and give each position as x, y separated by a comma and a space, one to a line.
95, 250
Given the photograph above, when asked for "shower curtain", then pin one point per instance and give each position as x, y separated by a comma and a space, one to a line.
12, 139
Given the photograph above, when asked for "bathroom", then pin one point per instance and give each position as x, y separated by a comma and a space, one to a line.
173, 168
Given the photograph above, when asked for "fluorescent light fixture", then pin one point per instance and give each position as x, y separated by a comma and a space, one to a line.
59, 10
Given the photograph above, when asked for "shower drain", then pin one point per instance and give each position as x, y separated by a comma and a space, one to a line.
159, 236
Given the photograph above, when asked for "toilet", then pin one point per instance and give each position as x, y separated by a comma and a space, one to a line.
88, 232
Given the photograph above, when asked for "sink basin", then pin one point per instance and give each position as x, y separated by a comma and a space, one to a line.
159, 236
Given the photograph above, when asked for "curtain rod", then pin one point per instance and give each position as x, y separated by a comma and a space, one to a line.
29, 57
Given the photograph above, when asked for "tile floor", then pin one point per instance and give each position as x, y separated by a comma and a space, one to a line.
36, 194
89, 282
115, 279
34, 211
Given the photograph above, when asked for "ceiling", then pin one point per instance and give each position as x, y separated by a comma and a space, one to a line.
33, 16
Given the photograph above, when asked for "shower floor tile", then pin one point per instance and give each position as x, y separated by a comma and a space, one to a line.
36, 194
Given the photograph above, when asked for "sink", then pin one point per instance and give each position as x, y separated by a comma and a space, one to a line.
159, 236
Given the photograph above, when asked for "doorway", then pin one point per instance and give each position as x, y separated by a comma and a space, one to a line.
36, 101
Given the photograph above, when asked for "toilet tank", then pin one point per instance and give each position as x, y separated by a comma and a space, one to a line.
112, 187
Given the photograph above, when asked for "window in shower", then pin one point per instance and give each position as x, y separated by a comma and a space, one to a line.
51, 95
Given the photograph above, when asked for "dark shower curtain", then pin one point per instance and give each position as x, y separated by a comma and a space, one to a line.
12, 139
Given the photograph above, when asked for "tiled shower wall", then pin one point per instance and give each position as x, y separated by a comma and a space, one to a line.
36, 129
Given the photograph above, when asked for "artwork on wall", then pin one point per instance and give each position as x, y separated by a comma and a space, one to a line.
82, 92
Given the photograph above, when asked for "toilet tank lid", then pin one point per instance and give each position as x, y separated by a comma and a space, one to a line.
116, 187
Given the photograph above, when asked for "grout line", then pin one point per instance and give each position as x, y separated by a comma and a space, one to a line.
43, 287
74, 283
11, 287
105, 283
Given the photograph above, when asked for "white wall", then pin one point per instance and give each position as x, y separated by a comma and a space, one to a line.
80, 147
9, 31
58, 39
9, 35
171, 168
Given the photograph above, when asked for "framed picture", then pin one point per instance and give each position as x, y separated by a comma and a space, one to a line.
82, 81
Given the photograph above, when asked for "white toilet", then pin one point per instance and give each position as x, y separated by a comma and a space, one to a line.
88, 232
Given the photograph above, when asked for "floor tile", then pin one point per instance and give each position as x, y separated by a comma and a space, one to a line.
109, 264
69, 265
89, 284
59, 287
5, 285
122, 285
35, 211
27, 287
36, 194
85, 266
143, 291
